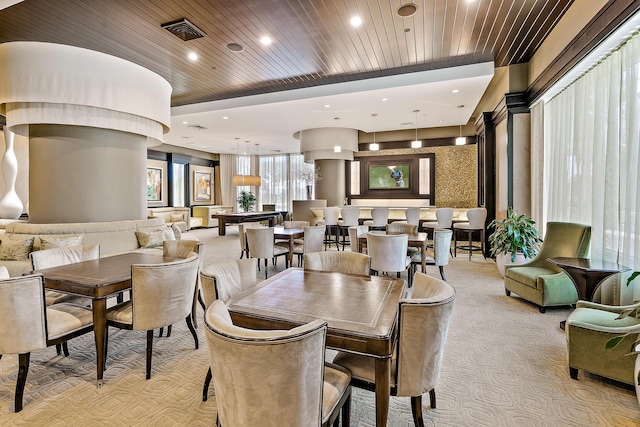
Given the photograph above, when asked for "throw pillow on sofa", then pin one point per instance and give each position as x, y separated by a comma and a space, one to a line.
169, 233
51, 242
176, 231
151, 239
177, 217
16, 250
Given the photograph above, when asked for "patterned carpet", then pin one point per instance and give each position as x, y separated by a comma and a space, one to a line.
504, 365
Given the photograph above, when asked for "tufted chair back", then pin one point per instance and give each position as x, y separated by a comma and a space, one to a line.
339, 261
423, 326
162, 294
267, 378
224, 280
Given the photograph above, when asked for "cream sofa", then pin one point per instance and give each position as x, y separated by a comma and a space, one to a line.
179, 216
114, 237
205, 213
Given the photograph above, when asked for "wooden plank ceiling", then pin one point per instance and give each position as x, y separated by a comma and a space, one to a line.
313, 41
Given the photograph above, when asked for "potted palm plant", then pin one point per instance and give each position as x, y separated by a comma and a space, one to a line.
246, 200
515, 239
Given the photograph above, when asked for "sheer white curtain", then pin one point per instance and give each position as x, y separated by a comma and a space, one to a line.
592, 145
227, 170
281, 182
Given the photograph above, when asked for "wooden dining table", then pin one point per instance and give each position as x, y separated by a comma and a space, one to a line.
290, 235
361, 313
418, 240
98, 280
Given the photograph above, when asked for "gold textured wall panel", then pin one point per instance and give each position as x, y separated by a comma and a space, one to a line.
456, 172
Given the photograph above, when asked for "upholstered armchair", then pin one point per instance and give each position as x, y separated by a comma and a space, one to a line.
423, 325
161, 295
242, 234
273, 378
342, 262
542, 282
588, 329
27, 324
49, 258
441, 251
223, 281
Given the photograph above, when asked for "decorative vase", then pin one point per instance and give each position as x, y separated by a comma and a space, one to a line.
503, 259
309, 192
10, 204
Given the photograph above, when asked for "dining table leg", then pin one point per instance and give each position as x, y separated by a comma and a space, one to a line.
99, 329
423, 256
383, 387
290, 251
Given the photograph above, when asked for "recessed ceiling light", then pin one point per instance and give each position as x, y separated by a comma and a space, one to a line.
224, 117
265, 40
327, 105
193, 56
235, 47
356, 21
185, 123
384, 99
407, 10
455, 91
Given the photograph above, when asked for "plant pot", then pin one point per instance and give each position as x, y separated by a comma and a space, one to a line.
503, 259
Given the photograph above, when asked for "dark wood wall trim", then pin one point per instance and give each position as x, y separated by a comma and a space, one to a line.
487, 168
612, 15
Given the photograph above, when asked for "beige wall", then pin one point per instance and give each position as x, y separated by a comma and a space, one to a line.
522, 163
501, 170
83, 174
332, 185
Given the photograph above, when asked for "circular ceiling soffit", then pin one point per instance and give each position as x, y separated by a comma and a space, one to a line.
407, 10
235, 47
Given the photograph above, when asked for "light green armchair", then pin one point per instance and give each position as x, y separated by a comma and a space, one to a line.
542, 282
588, 329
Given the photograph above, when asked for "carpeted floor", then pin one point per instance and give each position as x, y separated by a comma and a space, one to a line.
504, 365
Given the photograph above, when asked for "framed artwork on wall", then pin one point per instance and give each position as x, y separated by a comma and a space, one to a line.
157, 186
388, 177
201, 186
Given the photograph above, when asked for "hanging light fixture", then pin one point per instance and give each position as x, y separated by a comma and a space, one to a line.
337, 148
255, 179
242, 180
373, 146
416, 143
461, 140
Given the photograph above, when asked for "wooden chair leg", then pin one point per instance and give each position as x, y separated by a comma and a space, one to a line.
23, 370
207, 382
416, 410
441, 267
432, 398
149, 351
169, 331
161, 332
346, 412
65, 349
59, 349
193, 331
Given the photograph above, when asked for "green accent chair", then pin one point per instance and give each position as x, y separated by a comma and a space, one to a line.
542, 282
588, 329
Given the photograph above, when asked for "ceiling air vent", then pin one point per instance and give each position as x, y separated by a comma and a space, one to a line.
184, 29
199, 127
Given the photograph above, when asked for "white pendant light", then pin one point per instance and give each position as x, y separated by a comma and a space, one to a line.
373, 146
461, 140
416, 143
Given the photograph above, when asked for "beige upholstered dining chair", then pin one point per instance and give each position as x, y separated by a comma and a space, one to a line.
28, 324
477, 218
242, 234
182, 249
341, 262
290, 225
350, 218
406, 228
262, 246
273, 378
312, 242
388, 253
222, 281
354, 235
49, 258
379, 218
441, 252
161, 295
423, 325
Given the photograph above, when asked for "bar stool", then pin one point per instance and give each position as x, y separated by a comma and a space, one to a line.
477, 217
412, 216
444, 219
379, 218
331, 215
350, 216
